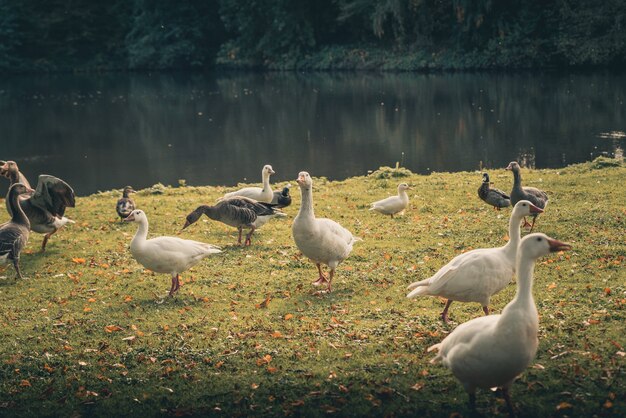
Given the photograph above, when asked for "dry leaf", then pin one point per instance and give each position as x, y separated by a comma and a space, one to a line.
78, 260
112, 328
288, 317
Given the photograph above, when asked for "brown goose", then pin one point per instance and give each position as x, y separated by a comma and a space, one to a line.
46, 207
495, 197
239, 212
125, 205
14, 234
535, 196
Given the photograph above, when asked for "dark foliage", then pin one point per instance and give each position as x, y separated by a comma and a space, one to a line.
55, 35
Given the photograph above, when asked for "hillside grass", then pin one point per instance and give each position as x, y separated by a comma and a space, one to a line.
247, 334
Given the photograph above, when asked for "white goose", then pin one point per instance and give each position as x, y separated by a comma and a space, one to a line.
491, 351
322, 240
166, 254
264, 194
393, 204
477, 275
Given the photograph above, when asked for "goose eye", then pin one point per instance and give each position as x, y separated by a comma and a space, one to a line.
538, 239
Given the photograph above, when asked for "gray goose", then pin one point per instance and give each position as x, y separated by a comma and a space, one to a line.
281, 198
14, 234
46, 207
495, 197
125, 205
239, 212
535, 196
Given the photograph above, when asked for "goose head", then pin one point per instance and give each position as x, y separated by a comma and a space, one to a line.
403, 187
136, 216
485, 178
268, 170
537, 245
19, 188
304, 180
525, 208
285, 191
128, 190
193, 217
8, 168
513, 166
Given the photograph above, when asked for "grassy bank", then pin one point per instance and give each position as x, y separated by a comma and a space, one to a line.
248, 335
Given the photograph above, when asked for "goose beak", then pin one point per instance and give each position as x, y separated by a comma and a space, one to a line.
509, 167
272, 171
535, 209
187, 223
556, 245
130, 218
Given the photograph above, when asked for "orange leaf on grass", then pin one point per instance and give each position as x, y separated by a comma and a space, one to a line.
112, 328
288, 317
78, 260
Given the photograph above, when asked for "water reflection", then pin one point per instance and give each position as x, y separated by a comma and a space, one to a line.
105, 131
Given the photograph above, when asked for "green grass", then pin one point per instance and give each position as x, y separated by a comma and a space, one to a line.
248, 335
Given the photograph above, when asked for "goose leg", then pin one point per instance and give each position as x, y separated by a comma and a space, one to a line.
239, 240
444, 314
507, 397
173, 288
177, 283
330, 279
249, 236
45, 240
16, 264
526, 224
321, 279
532, 225
486, 310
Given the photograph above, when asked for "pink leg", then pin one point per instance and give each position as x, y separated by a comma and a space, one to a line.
330, 279
173, 288
177, 283
249, 237
486, 310
444, 314
321, 279
533, 225
45, 240
239, 240
526, 224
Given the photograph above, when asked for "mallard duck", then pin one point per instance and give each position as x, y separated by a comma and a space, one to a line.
239, 212
166, 254
264, 194
393, 204
491, 351
477, 275
125, 205
535, 196
14, 234
494, 197
281, 198
46, 207
322, 240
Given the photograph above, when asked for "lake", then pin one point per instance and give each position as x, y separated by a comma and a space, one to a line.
104, 131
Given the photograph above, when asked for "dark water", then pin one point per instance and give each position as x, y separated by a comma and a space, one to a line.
100, 132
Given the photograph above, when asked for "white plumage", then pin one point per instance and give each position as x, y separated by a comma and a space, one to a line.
260, 194
393, 204
491, 351
477, 275
166, 254
322, 240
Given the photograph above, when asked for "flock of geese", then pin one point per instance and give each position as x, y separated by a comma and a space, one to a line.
486, 352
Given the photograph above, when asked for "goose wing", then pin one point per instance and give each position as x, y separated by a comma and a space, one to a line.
53, 195
12, 240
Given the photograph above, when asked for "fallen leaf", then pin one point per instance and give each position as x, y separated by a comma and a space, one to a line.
112, 328
288, 317
78, 260
563, 405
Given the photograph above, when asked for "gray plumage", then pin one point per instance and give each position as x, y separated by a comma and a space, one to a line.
237, 211
535, 196
14, 234
494, 197
45, 209
125, 205
281, 198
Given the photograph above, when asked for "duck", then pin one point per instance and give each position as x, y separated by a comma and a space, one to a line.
125, 205
166, 254
282, 198
45, 209
321, 240
394, 204
14, 234
494, 197
491, 351
237, 211
264, 194
478, 274
537, 197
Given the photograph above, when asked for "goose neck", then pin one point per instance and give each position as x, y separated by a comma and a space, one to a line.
142, 233
266, 181
17, 213
306, 208
525, 268
514, 235
517, 178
